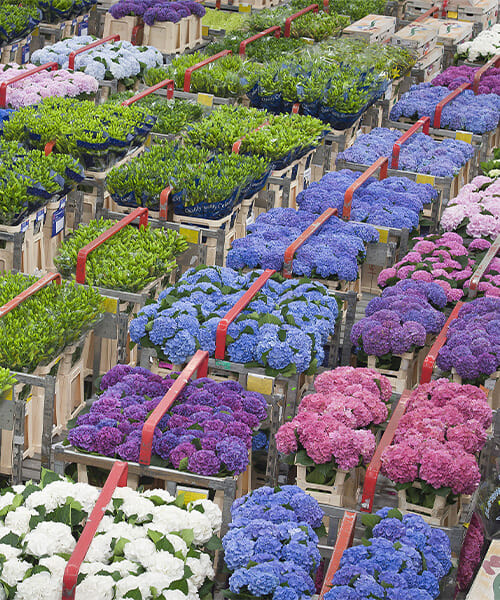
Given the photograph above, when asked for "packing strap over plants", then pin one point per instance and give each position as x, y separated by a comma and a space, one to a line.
423, 122
430, 359
72, 56
199, 365
237, 143
494, 62
373, 469
439, 107
81, 261
116, 478
50, 66
220, 335
294, 246
33, 289
481, 269
164, 196
207, 61
276, 29
288, 22
432, 12
168, 83
383, 164
345, 537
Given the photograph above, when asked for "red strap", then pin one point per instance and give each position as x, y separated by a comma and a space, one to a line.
116, 478
445, 101
423, 122
189, 71
494, 62
432, 12
135, 33
51, 66
198, 364
383, 164
345, 537
326, 6
288, 22
294, 246
164, 196
296, 108
276, 29
430, 359
49, 147
33, 289
220, 336
81, 261
373, 469
72, 56
168, 83
237, 144
481, 269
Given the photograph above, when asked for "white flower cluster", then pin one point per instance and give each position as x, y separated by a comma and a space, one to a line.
483, 47
113, 60
146, 545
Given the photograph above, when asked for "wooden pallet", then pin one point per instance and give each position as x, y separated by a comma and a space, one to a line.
174, 38
123, 27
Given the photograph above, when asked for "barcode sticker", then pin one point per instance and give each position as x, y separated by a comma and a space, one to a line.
191, 235
464, 136
204, 31
245, 8
452, 14
383, 235
205, 99
421, 178
260, 383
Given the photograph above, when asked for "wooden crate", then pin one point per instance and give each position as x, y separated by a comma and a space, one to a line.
22, 246
195, 37
440, 515
344, 492
406, 377
124, 27
16, 52
53, 231
168, 37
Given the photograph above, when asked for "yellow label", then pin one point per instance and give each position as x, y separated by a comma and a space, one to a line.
205, 99
149, 140
309, 41
110, 305
245, 8
191, 235
28, 399
204, 30
192, 494
421, 178
260, 383
464, 136
452, 14
7, 395
383, 235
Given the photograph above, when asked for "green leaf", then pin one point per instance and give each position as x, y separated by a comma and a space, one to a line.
369, 521
188, 536
134, 594
180, 584
119, 546
48, 477
214, 543
302, 458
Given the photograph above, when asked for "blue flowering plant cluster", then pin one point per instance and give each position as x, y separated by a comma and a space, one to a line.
400, 320
403, 558
334, 250
466, 112
392, 202
420, 154
272, 544
284, 328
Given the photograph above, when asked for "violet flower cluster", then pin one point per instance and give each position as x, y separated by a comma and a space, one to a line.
420, 154
436, 441
271, 546
454, 77
332, 424
466, 112
284, 328
404, 558
207, 431
157, 10
470, 553
333, 251
400, 319
442, 259
391, 202
475, 211
45, 84
472, 345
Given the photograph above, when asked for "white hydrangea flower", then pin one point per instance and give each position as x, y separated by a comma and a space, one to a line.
86, 495
41, 586
14, 570
6, 499
19, 489
178, 543
9, 551
163, 494
96, 586
49, 538
100, 548
4, 531
55, 564
139, 550
91, 568
211, 511
106, 523
169, 518
202, 569
18, 520
165, 563
127, 531
132, 582
201, 527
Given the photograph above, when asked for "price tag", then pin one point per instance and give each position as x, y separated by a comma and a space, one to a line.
464, 136
223, 364
13, 49
260, 383
110, 305
205, 99
383, 235
245, 8
309, 41
39, 219
149, 141
73, 26
62, 25
191, 235
307, 178
25, 54
421, 178
204, 31
7, 396
452, 14
24, 226
192, 494
83, 27
59, 218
